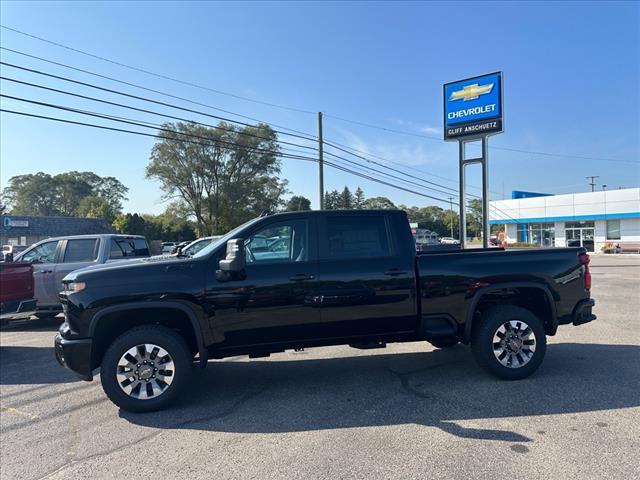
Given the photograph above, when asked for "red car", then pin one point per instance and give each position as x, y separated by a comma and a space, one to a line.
16, 291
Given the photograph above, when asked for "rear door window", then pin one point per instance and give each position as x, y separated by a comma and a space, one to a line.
128, 248
81, 250
355, 237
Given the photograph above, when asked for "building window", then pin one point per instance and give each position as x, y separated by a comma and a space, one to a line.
541, 234
613, 229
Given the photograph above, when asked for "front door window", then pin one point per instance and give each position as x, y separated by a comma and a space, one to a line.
284, 242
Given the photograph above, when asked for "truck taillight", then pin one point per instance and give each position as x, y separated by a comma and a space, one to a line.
584, 261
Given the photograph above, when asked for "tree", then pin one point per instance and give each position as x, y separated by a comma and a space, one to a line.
346, 199
64, 194
131, 224
166, 226
375, 203
298, 203
474, 217
332, 200
96, 207
228, 175
358, 199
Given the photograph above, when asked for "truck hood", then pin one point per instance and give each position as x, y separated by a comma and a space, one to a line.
126, 271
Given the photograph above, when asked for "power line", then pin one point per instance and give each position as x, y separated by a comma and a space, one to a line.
294, 157
493, 147
408, 167
368, 160
94, 99
159, 75
141, 124
183, 119
159, 92
137, 97
160, 128
368, 169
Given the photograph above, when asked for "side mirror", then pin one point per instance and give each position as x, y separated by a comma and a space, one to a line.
234, 262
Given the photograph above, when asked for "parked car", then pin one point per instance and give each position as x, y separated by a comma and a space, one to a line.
54, 258
16, 291
449, 241
347, 277
9, 252
194, 247
167, 247
424, 238
179, 246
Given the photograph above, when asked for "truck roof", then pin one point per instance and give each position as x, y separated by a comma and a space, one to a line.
338, 212
94, 235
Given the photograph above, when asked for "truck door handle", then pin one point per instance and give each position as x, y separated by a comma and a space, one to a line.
394, 272
43, 271
300, 277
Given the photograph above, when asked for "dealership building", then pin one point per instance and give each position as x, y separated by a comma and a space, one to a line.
27, 230
578, 219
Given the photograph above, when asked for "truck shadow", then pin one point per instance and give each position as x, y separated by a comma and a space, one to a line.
434, 389
26, 365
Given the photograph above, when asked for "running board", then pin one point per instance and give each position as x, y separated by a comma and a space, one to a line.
368, 345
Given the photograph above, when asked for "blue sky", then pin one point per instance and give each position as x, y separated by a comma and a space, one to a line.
572, 75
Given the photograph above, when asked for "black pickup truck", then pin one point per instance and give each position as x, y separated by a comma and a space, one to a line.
306, 279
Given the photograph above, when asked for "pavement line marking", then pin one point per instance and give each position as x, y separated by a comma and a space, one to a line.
18, 412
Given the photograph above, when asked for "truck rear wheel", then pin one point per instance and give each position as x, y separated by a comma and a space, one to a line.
145, 368
509, 341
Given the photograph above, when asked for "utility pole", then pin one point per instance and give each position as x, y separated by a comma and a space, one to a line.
451, 214
593, 182
320, 162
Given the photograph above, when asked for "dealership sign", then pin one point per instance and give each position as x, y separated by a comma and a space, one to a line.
473, 107
11, 222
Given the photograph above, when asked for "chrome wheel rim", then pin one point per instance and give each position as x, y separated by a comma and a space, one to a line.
514, 344
145, 371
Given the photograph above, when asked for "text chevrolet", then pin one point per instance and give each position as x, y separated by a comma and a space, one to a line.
307, 279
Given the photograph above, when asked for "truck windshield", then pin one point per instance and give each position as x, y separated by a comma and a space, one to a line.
221, 241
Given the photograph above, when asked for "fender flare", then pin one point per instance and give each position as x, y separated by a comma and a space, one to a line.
499, 286
195, 324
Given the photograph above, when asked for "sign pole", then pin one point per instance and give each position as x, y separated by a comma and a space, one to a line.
320, 163
463, 208
485, 192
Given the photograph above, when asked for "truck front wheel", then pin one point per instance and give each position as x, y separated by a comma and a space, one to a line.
145, 368
509, 341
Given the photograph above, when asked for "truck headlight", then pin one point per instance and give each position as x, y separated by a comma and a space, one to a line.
74, 287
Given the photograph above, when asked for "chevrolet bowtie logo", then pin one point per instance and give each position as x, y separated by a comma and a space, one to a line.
471, 92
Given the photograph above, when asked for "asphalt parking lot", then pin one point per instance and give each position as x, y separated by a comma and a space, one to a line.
407, 411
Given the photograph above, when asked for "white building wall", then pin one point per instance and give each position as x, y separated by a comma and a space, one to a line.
600, 233
561, 240
630, 229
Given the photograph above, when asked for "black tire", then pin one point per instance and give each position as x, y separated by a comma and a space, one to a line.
444, 342
163, 337
482, 343
46, 315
